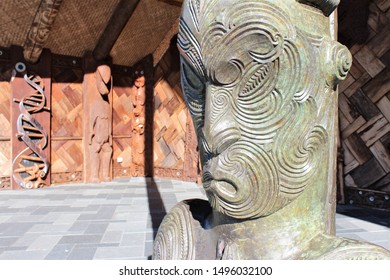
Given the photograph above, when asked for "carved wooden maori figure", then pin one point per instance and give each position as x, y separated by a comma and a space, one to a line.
138, 98
259, 78
100, 127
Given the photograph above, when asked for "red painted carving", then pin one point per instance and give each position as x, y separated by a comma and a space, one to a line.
138, 98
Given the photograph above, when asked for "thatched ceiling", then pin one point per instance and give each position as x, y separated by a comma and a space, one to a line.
79, 25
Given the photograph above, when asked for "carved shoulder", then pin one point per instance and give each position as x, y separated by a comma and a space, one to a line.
181, 235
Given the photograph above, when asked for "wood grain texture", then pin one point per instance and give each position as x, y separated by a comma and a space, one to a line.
364, 114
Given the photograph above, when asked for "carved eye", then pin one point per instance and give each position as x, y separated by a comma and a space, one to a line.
227, 73
191, 77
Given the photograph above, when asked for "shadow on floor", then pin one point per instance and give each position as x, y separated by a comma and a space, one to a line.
156, 205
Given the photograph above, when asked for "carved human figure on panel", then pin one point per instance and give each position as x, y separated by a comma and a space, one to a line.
100, 127
138, 98
259, 79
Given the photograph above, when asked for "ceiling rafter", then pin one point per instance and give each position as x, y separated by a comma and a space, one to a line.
114, 27
173, 2
40, 29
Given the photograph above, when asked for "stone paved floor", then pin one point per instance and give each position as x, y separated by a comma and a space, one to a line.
118, 220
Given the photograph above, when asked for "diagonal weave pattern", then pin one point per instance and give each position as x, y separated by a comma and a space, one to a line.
170, 120
67, 112
364, 110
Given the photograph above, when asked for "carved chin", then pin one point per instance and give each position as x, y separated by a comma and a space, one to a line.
242, 182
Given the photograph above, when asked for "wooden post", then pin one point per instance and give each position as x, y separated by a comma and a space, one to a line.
30, 120
97, 120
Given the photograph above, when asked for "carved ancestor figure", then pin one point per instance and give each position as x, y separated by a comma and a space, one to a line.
138, 98
100, 127
259, 78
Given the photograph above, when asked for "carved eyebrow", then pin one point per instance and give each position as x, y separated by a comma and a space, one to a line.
189, 48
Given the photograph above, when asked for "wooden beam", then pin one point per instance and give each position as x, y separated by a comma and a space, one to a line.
40, 29
165, 43
113, 29
178, 3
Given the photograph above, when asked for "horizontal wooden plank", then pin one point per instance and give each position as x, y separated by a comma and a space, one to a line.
364, 78
378, 87
364, 105
368, 173
367, 58
358, 148
379, 45
359, 122
384, 5
382, 155
375, 132
384, 107
347, 108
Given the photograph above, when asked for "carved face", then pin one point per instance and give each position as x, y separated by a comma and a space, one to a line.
255, 86
139, 82
103, 79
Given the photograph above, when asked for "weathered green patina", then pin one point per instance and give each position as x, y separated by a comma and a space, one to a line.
259, 78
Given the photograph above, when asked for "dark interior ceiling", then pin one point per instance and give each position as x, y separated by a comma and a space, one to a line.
127, 30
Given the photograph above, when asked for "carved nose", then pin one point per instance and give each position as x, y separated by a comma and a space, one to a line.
223, 134
220, 128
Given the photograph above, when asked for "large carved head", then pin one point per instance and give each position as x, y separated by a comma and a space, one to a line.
258, 77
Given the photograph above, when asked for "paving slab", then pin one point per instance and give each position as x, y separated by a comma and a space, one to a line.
118, 220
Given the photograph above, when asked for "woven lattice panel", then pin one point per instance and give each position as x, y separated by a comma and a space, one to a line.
122, 159
67, 156
5, 131
170, 120
67, 108
67, 112
5, 117
122, 107
5, 158
364, 108
15, 20
144, 31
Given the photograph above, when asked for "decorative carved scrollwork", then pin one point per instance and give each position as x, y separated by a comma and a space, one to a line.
31, 166
259, 78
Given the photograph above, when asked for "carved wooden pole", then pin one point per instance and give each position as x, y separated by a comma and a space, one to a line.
97, 120
117, 22
30, 117
40, 29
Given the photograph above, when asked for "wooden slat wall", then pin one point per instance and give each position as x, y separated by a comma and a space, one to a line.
5, 134
174, 140
170, 120
67, 112
5, 119
122, 112
364, 112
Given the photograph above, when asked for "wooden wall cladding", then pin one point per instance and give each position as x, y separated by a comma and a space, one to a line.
122, 111
5, 135
5, 131
364, 112
67, 112
170, 119
5, 119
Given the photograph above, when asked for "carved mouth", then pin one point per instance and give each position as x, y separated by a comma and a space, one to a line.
216, 180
